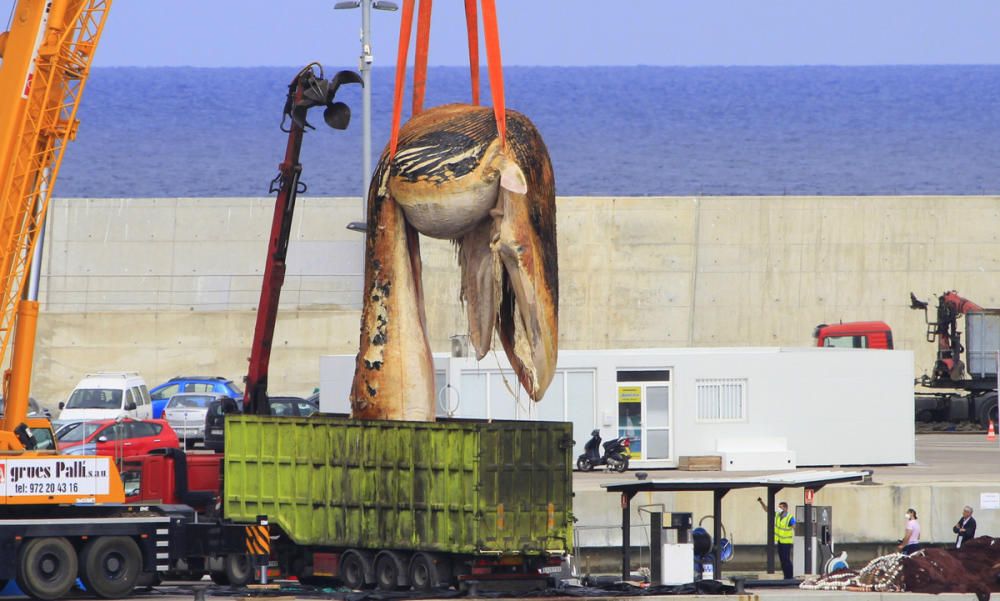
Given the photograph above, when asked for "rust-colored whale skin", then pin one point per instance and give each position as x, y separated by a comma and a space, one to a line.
451, 178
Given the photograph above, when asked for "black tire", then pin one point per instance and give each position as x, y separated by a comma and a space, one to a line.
109, 566
387, 572
46, 567
423, 573
584, 464
988, 412
238, 569
352, 571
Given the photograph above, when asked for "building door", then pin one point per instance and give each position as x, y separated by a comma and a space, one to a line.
645, 414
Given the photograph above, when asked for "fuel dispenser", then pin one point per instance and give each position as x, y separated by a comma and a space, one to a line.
813, 539
671, 556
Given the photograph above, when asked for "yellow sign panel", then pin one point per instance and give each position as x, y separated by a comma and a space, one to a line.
629, 394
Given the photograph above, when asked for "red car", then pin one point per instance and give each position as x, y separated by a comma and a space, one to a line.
127, 438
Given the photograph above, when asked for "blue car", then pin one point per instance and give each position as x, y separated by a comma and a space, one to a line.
162, 393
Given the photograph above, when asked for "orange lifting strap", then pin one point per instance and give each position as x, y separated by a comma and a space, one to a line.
492, 37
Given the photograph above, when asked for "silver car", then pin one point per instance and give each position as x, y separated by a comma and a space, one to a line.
186, 413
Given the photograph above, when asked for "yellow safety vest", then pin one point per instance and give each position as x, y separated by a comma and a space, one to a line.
783, 529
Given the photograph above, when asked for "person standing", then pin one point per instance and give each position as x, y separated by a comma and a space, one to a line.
910, 542
965, 529
784, 523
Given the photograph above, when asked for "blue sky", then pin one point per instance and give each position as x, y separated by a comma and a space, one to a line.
210, 33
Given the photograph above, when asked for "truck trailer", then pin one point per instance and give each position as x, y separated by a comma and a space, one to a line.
404, 504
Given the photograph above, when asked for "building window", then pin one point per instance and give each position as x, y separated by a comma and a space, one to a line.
723, 400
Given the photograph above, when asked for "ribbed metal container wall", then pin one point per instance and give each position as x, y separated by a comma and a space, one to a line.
452, 486
982, 341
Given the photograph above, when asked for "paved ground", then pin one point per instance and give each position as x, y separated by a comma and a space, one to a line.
184, 594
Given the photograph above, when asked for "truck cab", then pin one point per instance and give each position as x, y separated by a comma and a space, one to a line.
171, 476
855, 334
41, 431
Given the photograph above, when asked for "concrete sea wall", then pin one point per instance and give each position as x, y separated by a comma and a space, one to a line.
169, 286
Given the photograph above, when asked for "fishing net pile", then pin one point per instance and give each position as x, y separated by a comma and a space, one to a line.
972, 569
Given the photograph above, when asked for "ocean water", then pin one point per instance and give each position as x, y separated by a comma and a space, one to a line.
165, 132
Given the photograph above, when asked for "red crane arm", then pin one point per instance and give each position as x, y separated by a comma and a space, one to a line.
304, 92
957, 304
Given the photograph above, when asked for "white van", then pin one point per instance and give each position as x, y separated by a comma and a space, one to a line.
107, 395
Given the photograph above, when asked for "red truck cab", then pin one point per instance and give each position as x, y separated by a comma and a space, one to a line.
171, 476
855, 334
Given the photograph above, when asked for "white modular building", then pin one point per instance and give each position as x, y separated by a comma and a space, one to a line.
758, 408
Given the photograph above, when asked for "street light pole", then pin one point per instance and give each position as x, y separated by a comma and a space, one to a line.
365, 66
366, 102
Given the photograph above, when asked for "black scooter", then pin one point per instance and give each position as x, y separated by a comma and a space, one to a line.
616, 453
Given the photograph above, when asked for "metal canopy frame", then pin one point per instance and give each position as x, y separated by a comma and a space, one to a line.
719, 487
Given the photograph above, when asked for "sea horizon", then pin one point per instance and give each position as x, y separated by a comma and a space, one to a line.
638, 130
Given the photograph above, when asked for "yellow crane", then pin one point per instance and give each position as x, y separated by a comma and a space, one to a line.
46, 58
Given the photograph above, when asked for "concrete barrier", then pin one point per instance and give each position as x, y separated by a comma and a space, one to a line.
168, 286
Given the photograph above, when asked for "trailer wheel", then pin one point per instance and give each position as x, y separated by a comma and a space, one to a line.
237, 570
46, 567
427, 572
110, 565
352, 571
390, 575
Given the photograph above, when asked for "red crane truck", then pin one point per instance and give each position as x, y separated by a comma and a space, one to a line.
960, 390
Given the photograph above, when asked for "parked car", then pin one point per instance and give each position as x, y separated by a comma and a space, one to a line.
107, 395
34, 408
292, 406
215, 417
186, 413
113, 438
162, 393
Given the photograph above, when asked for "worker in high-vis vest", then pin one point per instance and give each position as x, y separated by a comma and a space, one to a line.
784, 530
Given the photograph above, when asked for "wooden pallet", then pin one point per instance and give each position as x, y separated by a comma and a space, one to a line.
700, 463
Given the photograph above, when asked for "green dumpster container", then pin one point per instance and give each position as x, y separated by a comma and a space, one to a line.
456, 486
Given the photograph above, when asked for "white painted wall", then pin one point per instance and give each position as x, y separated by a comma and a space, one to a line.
829, 406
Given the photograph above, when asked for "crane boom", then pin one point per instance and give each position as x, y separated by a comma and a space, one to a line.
306, 90
949, 366
47, 56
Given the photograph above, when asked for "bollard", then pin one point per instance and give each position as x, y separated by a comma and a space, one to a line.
262, 523
258, 545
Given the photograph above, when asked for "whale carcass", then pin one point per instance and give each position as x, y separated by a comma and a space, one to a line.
453, 178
